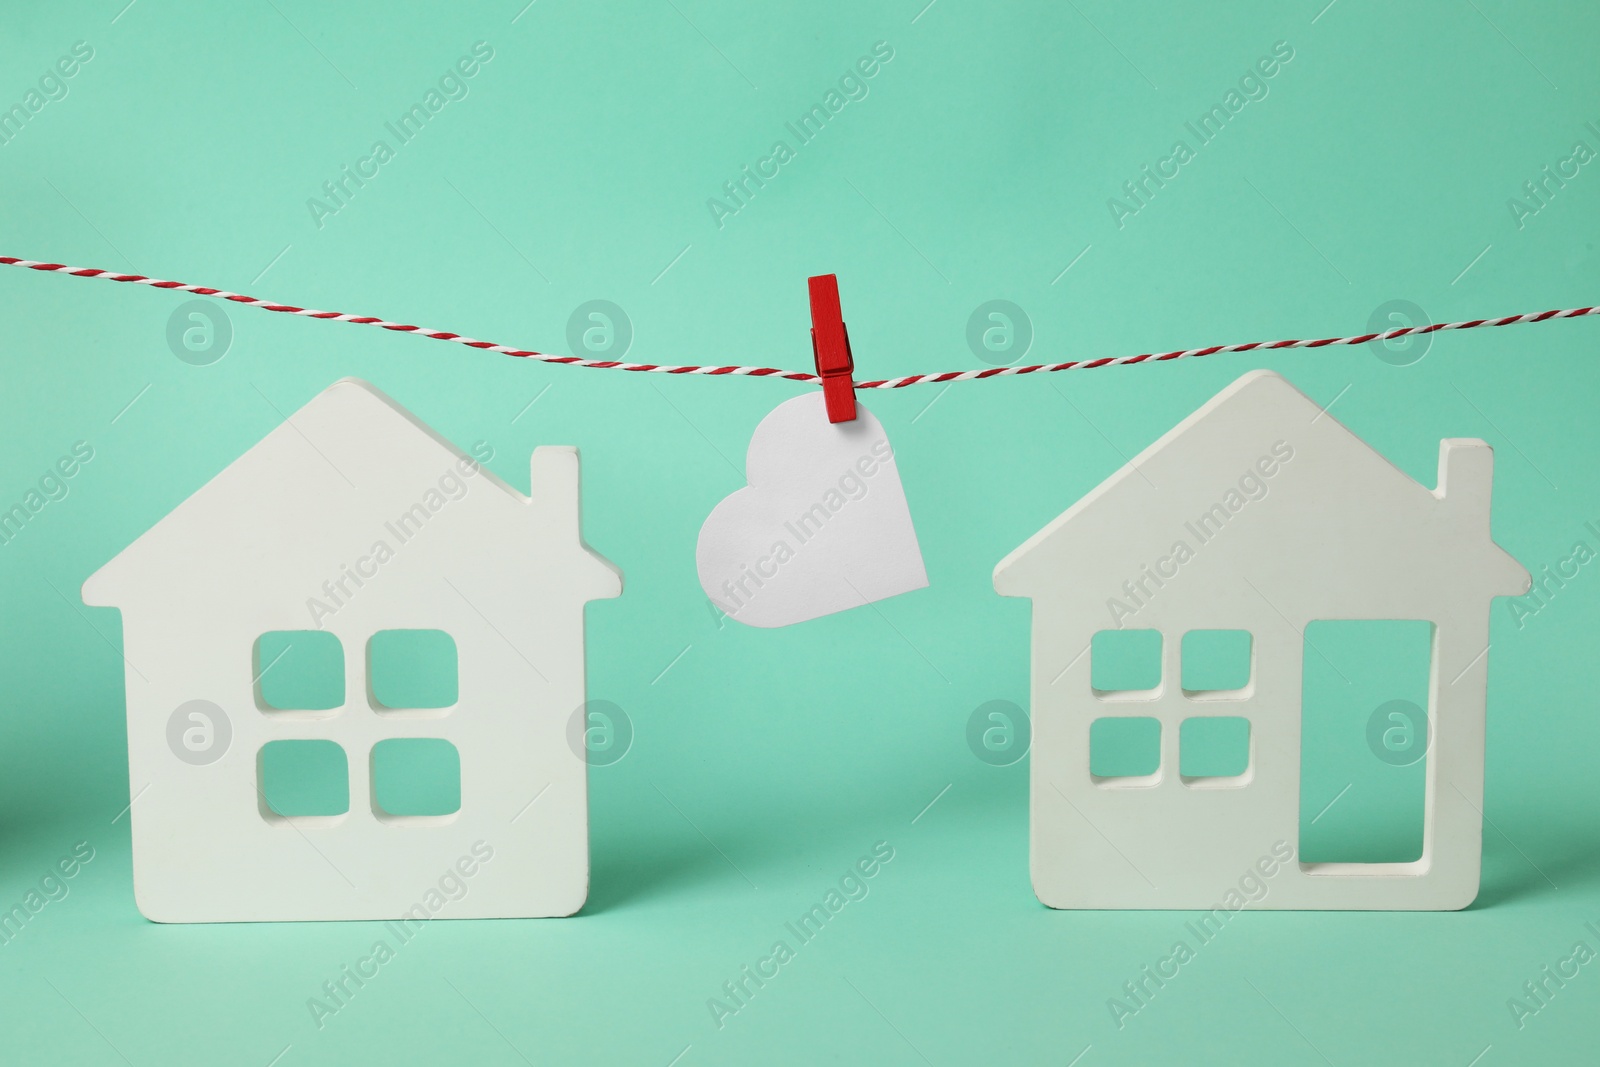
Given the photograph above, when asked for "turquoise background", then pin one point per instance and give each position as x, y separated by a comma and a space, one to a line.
764, 763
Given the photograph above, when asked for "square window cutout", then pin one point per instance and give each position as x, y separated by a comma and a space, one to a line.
1213, 746
302, 778
416, 776
1124, 747
298, 670
410, 669
1216, 660
1124, 661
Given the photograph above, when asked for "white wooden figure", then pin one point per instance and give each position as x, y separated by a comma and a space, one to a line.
353, 518
1338, 532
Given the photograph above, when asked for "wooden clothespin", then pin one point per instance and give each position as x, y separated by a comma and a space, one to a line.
830, 344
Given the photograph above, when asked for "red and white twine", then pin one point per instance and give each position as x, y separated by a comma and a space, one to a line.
795, 376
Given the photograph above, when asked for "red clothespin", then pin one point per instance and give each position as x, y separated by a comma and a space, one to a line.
830, 344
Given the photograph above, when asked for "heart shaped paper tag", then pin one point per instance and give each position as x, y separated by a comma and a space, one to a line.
822, 526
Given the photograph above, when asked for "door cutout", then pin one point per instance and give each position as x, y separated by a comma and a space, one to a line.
1364, 740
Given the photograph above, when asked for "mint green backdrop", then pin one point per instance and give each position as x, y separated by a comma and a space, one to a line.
1377, 166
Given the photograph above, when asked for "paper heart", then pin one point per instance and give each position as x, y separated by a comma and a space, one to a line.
822, 526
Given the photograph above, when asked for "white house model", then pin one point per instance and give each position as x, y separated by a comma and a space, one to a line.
1179, 540
354, 519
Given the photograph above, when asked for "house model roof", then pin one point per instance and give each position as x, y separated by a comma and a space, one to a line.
1261, 479
336, 477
